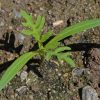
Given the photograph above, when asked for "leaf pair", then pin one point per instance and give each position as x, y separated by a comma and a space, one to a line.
61, 55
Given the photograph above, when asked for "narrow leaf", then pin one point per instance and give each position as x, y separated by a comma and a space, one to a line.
70, 61
15, 67
49, 55
54, 45
79, 27
63, 55
25, 24
46, 36
38, 21
67, 59
60, 49
27, 32
41, 24
27, 17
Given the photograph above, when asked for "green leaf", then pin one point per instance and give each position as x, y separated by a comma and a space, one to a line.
28, 18
62, 55
38, 21
70, 61
35, 26
79, 27
49, 55
60, 49
27, 32
30, 24
66, 58
41, 24
46, 36
15, 67
54, 45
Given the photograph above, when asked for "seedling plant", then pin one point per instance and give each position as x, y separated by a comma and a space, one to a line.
52, 48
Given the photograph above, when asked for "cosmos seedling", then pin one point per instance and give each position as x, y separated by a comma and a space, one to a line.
52, 48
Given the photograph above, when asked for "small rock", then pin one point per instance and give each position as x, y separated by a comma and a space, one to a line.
72, 2
12, 96
17, 1
57, 23
20, 37
22, 90
55, 62
49, 12
28, 81
88, 93
59, 74
41, 9
16, 13
35, 87
10, 56
1, 23
23, 75
10, 28
78, 71
31, 97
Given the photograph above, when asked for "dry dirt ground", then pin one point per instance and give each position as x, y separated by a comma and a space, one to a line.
51, 81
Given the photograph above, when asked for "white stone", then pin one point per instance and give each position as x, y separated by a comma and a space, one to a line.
88, 93
57, 23
23, 75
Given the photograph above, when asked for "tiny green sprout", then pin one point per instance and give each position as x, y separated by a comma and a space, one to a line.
52, 48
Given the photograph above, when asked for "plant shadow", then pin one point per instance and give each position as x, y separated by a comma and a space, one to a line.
33, 65
8, 45
86, 47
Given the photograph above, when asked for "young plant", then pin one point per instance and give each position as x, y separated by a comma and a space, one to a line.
52, 48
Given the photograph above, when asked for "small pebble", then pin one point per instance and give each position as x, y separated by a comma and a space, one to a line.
23, 75
22, 90
49, 89
41, 9
17, 1
20, 37
28, 81
72, 2
55, 62
16, 13
49, 12
10, 27
88, 93
31, 97
57, 23
59, 74
65, 75
12, 96
1, 24
78, 71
